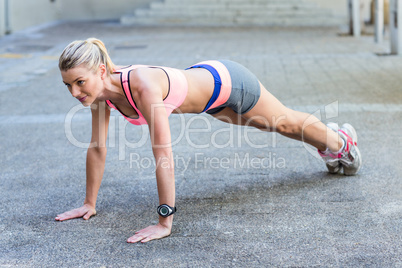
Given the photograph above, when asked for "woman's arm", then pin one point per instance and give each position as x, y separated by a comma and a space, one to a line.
96, 156
150, 103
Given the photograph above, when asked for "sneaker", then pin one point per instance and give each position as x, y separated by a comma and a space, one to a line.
350, 157
331, 160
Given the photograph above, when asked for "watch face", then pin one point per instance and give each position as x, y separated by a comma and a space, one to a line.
164, 211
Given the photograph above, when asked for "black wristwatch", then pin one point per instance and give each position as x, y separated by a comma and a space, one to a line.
165, 210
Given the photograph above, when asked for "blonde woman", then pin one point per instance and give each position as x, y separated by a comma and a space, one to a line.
149, 94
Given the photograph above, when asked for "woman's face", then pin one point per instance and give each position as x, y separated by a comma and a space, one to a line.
85, 85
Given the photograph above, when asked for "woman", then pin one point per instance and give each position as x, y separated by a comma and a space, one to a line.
149, 94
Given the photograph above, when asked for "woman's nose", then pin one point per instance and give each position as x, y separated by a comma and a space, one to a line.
75, 92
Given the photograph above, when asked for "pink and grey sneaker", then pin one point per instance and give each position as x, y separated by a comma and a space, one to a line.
350, 157
331, 159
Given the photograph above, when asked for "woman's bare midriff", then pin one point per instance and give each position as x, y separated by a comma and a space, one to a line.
200, 89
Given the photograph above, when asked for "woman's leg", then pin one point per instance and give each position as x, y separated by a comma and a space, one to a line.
270, 114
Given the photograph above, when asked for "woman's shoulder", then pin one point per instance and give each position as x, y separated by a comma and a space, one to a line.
147, 74
150, 80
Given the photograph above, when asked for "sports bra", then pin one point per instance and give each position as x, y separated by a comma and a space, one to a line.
177, 91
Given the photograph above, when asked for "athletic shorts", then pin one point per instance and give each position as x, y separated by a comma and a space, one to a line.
235, 86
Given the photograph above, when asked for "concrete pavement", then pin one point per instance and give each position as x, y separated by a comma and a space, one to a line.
244, 198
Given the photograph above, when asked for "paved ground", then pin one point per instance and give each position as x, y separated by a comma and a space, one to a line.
245, 199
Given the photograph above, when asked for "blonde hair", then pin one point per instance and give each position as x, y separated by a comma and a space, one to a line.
91, 52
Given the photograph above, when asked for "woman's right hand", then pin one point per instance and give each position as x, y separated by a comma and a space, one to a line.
86, 211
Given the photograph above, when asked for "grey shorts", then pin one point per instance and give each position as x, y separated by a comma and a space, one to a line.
245, 89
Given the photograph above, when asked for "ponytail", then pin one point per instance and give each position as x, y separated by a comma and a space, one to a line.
91, 52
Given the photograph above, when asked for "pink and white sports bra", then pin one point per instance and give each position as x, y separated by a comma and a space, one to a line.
177, 91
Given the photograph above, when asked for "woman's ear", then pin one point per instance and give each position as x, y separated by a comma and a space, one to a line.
103, 71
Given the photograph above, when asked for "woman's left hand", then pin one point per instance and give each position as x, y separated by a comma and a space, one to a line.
150, 233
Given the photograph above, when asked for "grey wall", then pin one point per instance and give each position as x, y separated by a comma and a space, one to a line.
26, 13
99, 9
2, 17
339, 7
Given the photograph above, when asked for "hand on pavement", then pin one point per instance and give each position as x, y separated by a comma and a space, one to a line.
86, 211
150, 233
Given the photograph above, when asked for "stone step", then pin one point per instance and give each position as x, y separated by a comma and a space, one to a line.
285, 21
192, 10
230, 13
233, 12
231, 5
215, 2
222, 9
